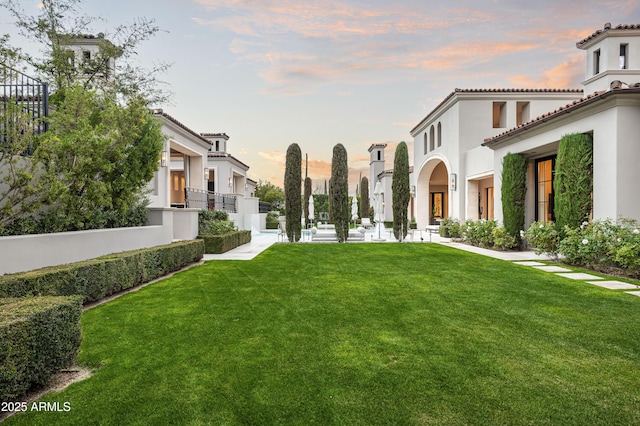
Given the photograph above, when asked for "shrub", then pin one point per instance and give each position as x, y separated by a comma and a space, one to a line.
38, 337
450, 228
604, 244
272, 220
514, 192
544, 237
96, 278
212, 222
502, 239
216, 244
573, 181
479, 233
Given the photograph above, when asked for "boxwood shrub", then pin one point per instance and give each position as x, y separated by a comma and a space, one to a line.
97, 278
38, 337
216, 244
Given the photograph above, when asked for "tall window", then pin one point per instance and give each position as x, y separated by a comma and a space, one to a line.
499, 115
596, 62
624, 61
425, 143
545, 168
439, 134
522, 113
432, 137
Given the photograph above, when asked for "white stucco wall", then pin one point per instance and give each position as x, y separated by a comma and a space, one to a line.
615, 128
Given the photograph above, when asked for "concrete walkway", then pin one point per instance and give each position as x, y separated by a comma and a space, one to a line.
263, 240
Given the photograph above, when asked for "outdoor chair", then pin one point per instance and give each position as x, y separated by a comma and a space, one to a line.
366, 223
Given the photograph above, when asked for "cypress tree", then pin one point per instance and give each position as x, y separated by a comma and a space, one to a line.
307, 194
573, 181
292, 190
514, 192
400, 191
364, 197
339, 192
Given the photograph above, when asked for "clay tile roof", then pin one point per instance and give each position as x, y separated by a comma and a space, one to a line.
608, 27
160, 112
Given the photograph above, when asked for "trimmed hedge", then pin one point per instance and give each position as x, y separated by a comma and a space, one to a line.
38, 337
216, 244
514, 194
97, 278
573, 182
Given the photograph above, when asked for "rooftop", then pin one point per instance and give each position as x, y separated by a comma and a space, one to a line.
482, 91
565, 109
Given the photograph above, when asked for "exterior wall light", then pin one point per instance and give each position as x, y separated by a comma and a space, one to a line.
163, 159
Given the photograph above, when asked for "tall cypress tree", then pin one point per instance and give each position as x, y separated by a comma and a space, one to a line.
573, 181
400, 191
364, 197
307, 194
339, 192
292, 190
514, 192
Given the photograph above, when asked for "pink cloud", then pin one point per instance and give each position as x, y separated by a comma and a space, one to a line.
567, 74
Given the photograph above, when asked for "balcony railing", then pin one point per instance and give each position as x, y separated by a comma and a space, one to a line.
30, 94
207, 200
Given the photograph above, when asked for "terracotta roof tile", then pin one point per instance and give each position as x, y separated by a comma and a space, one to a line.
160, 112
608, 27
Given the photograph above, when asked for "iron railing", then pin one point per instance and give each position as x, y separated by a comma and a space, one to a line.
30, 94
207, 200
264, 207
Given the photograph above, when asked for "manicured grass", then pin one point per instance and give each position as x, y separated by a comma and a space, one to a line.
359, 334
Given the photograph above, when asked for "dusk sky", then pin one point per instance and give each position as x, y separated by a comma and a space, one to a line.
270, 73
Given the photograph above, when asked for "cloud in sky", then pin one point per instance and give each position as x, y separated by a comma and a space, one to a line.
308, 49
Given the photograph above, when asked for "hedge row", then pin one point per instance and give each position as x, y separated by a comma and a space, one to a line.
38, 337
97, 278
216, 244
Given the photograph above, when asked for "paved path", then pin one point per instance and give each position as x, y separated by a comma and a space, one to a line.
263, 240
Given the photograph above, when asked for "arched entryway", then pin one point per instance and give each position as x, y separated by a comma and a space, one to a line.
432, 193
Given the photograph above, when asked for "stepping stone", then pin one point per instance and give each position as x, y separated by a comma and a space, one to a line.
579, 276
552, 268
529, 263
613, 285
634, 293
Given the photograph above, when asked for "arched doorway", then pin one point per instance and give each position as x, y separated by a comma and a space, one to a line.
432, 193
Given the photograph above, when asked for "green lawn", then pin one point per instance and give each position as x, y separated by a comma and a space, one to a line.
359, 334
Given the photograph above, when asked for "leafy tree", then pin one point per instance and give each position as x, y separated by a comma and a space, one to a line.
19, 182
573, 181
269, 193
514, 192
307, 194
89, 190
103, 145
364, 197
339, 192
400, 191
292, 190
109, 70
